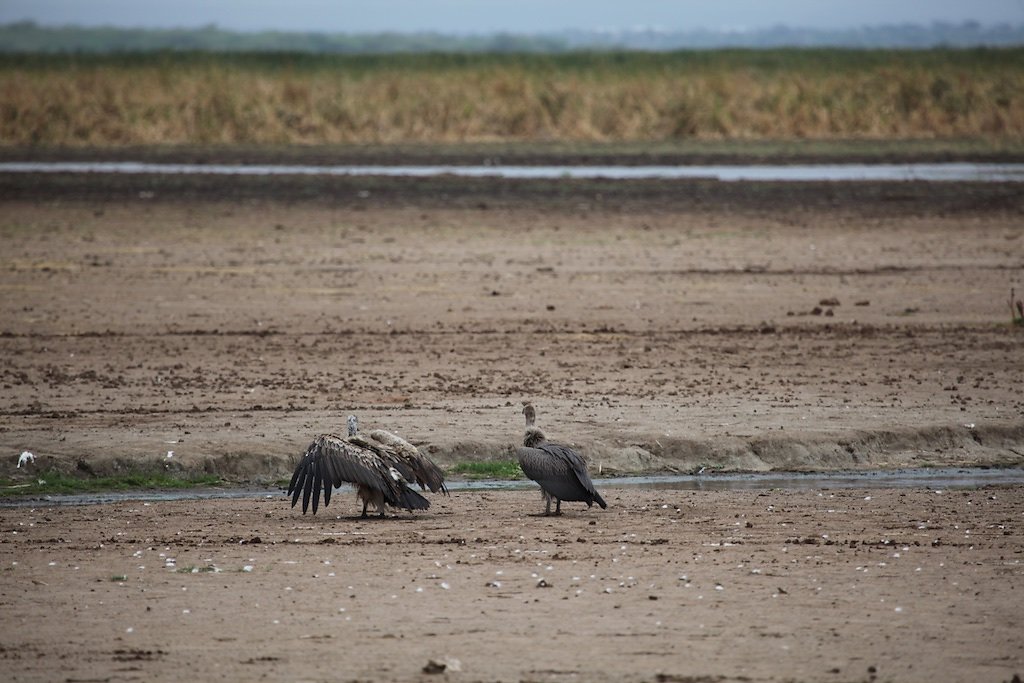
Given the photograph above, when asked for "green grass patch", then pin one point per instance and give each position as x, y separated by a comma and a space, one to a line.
492, 469
57, 483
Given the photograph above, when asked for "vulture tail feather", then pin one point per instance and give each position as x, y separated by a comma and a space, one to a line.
411, 500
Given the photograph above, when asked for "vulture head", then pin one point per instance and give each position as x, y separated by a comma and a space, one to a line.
534, 435
353, 425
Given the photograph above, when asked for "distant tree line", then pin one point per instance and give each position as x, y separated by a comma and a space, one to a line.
29, 37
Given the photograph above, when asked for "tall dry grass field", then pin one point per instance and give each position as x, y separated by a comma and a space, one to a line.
283, 99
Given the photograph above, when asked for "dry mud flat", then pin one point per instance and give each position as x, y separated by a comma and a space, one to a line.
659, 326
684, 586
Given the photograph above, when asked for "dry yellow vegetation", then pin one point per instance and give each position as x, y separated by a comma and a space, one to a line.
267, 99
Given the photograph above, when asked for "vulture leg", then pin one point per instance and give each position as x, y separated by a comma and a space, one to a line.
365, 503
558, 506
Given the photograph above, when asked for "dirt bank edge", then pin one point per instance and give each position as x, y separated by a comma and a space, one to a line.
994, 445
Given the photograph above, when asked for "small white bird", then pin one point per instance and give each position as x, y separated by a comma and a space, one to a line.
26, 458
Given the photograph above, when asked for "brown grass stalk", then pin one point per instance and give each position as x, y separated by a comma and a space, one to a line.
218, 101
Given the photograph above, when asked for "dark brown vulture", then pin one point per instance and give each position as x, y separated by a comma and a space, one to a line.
381, 468
558, 469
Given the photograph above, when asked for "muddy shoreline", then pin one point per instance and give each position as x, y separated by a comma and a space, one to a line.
861, 198
825, 152
961, 478
660, 326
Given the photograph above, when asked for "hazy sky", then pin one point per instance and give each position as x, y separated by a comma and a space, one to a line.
484, 16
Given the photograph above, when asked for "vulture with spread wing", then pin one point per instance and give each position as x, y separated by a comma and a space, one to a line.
381, 468
558, 469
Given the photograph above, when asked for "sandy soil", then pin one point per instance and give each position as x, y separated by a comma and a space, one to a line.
841, 585
657, 326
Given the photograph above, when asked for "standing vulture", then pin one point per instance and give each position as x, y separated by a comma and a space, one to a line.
380, 468
558, 469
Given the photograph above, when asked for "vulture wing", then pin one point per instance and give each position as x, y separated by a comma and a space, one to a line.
331, 460
425, 471
560, 471
387, 455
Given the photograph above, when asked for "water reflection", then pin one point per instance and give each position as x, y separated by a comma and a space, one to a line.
946, 172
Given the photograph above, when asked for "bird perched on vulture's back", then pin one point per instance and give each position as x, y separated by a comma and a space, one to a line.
380, 468
558, 469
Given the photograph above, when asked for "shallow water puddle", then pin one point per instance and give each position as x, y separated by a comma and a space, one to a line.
948, 478
944, 172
